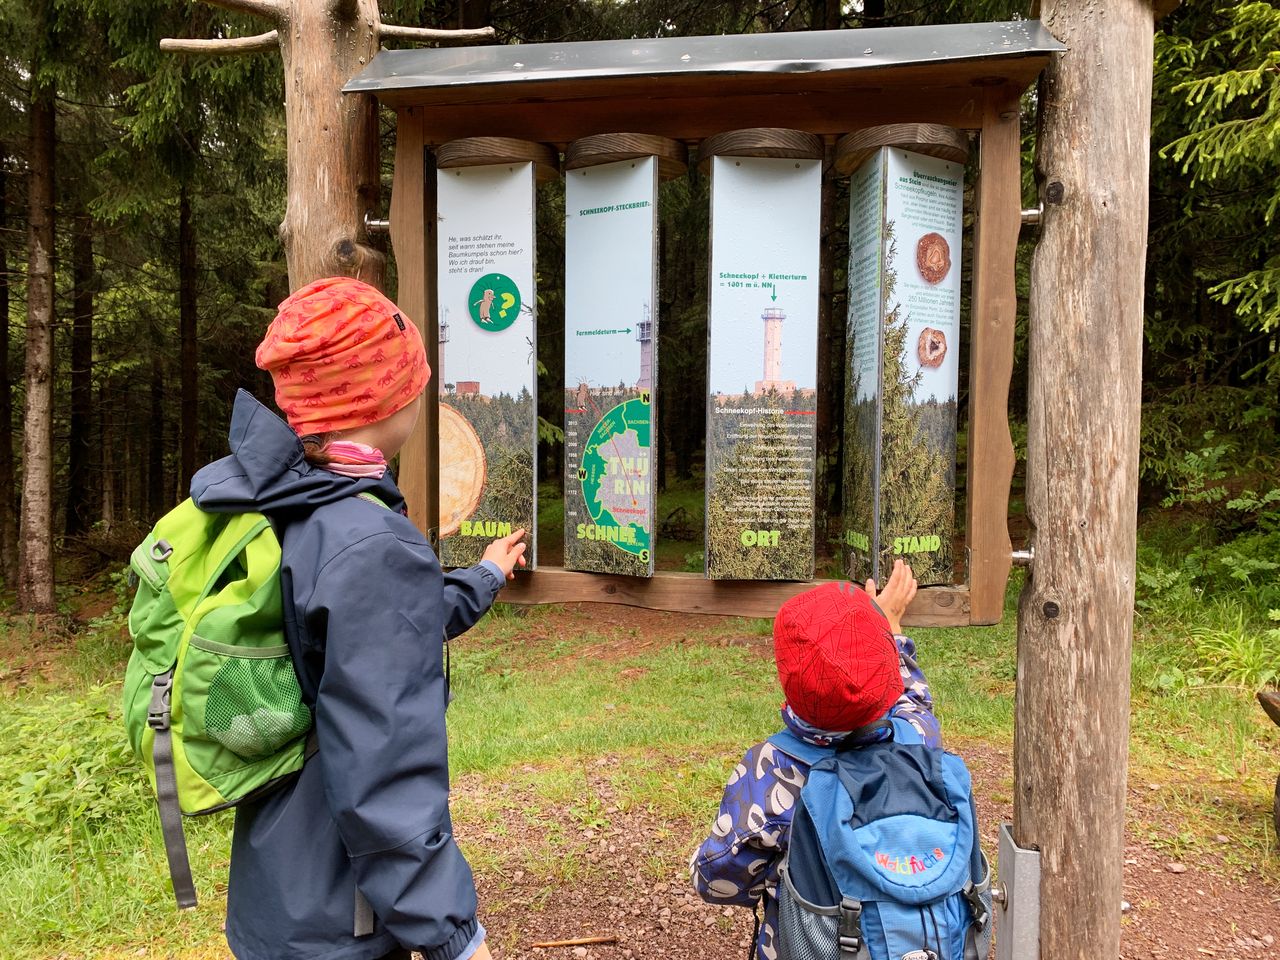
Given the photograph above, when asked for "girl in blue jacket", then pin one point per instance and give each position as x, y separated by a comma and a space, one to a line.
355, 860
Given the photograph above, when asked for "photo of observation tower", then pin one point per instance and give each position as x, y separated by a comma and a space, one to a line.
644, 336
772, 380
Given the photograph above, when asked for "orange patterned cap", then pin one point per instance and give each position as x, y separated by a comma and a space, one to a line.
341, 355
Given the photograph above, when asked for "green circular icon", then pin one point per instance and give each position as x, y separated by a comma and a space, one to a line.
494, 302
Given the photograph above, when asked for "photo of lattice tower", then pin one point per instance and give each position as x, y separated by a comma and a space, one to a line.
772, 380
644, 336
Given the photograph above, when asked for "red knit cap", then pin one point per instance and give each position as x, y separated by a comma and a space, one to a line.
342, 355
837, 661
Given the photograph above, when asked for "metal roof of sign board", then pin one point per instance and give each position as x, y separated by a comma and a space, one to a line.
751, 76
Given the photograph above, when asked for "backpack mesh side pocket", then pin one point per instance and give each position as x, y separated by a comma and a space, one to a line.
255, 706
806, 931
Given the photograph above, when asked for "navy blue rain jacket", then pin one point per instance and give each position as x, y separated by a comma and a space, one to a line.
366, 609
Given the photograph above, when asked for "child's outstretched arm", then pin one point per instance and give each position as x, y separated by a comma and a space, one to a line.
916, 704
470, 592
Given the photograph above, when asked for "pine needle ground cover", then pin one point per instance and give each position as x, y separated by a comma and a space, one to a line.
589, 747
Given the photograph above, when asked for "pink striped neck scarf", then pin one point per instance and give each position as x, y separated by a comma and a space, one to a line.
351, 459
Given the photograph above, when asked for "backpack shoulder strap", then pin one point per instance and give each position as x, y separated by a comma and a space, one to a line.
794, 747
904, 732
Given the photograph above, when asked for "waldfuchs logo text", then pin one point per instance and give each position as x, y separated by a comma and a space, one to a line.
912, 864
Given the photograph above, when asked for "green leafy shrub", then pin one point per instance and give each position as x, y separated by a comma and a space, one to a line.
51, 781
1221, 537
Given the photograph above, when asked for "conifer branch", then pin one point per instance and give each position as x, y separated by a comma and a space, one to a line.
226, 45
267, 9
430, 35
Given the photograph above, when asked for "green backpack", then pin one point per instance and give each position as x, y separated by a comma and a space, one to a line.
212, 704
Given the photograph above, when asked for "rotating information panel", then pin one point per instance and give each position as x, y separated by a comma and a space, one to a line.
905, 221
610, 366
762, 368
486, 375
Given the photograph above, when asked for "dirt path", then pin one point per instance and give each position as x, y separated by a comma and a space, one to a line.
547, 878
636, 890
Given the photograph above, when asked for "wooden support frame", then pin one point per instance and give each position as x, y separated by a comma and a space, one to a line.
570, 110
413, 236
690, 593
993, 315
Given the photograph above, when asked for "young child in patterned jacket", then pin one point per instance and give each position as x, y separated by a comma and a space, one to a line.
844, 665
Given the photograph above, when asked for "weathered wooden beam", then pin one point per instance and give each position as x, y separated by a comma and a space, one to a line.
1075, 618
995, 307
674, 113
692, 593
410, 196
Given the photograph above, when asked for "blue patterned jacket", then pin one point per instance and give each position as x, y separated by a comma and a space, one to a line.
738, 863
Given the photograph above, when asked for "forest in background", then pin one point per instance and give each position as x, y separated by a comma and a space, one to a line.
150, 187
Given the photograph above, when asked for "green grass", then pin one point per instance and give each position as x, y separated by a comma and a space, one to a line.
565, 730
681, 698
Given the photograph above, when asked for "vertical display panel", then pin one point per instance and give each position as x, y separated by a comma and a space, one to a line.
762, 368
862, 385
905, 222
609, 366
488, 416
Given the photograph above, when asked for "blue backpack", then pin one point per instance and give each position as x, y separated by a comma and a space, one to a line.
884, 861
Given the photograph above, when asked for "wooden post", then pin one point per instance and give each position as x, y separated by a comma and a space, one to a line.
1075, 619
333, 140
995, 307
413, 238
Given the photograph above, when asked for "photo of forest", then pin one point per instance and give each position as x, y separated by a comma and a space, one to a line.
760, 481
506, 426
910, 489
861, 431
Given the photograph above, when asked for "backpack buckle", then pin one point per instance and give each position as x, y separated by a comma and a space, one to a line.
849, 930
158, 710
161, 551
976, 906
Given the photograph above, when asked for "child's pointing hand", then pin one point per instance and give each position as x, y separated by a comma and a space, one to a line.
507, 552
896, 596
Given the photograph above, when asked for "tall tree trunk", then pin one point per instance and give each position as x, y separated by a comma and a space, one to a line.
660, 451
824, 15
187, 328
1075, 616
35, 554
157, 494
474, 13
107, 441
8, 498
79, 502
333, 140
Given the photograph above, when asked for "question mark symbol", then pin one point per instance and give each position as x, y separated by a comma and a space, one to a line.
508, 301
